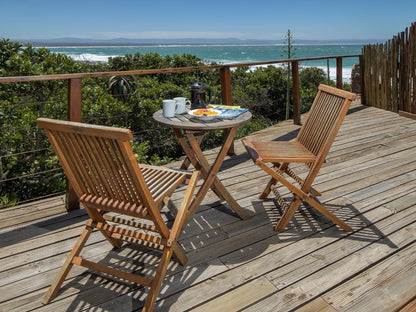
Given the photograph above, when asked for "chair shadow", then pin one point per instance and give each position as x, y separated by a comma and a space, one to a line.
357, 109
307, 220
44, 227
288, 136
97, 292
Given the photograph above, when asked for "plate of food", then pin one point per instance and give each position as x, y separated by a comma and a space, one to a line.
205, 113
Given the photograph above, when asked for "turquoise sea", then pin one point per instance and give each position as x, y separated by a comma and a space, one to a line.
224, 54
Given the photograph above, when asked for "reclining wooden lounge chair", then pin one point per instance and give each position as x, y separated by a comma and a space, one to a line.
311, 147
120, 196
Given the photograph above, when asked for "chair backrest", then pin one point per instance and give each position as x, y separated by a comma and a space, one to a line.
324, 120
99, 162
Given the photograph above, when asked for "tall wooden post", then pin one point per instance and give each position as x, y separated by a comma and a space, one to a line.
362, 82
74, 114
225, 76
296, 93
339, 72
74, 99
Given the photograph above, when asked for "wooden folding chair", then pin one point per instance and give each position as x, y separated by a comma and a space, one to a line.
311, 147
120, 196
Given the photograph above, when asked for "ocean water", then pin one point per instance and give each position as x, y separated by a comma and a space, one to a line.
225, 54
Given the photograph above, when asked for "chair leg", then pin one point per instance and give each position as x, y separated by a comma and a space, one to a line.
157, 281
66, 267
288, 214
328, 214
179, 254
97, 216
268, 188
278, 168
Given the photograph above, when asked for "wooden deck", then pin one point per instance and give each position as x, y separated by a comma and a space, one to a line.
369, 180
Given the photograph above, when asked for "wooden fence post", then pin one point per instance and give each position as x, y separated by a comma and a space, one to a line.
296, 93
339, 72
74, 114
362, 80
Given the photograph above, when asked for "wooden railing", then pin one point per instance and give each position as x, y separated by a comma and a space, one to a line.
75, 86
75, 80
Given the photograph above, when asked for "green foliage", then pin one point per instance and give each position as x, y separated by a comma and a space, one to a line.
28, 167
257, 124
309, 80
141, 152
263, 91
8, 49
346, 87
4, 201
22, 154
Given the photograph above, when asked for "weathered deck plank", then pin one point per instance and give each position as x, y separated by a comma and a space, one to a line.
368, 180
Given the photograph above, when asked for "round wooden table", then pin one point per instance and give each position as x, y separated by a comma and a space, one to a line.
190, 131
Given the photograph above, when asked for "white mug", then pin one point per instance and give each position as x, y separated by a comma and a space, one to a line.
169, 108
181, 104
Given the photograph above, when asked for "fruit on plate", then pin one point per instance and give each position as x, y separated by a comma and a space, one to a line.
205, 112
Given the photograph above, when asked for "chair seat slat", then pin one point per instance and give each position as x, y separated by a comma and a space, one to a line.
130, 233
277, 151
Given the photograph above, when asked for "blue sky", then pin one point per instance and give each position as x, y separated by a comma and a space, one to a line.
171, 19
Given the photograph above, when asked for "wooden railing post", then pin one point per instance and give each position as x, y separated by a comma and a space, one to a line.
296, 93
339, 72
225, 76
74, 99
74, 114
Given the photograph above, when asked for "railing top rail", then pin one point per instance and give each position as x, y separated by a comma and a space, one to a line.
158, 70
290, 60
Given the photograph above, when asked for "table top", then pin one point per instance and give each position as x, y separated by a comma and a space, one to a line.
188, 122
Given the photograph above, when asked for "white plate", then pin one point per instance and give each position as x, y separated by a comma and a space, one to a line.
202, 116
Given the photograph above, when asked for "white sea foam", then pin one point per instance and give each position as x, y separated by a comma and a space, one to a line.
88, 57
346, 71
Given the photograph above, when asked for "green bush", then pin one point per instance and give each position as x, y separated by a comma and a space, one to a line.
309, 80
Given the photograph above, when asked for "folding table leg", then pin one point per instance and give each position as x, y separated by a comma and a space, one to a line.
191, 146
187, 161
211, 180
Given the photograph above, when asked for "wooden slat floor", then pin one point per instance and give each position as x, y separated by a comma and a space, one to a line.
369, 180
